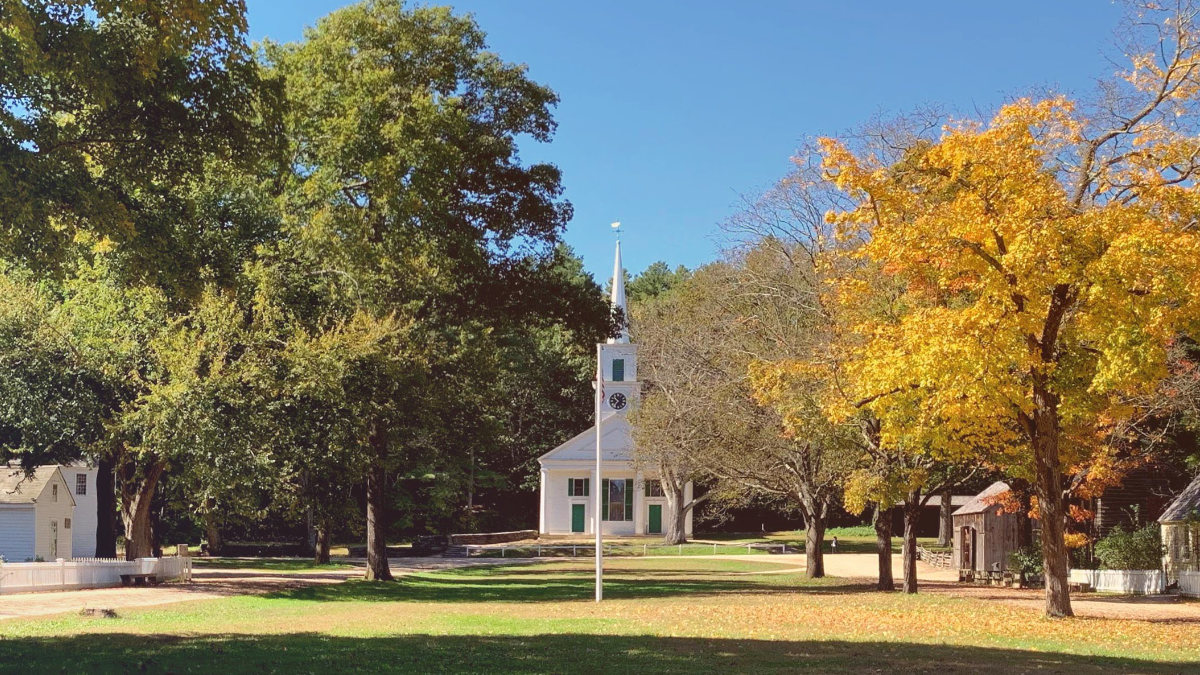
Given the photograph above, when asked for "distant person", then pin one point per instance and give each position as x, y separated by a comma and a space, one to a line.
834, 544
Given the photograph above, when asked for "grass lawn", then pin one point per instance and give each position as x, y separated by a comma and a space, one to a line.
272, 564
659, 615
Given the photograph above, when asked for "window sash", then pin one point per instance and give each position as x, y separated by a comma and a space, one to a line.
618, 370
624, 493
578, 487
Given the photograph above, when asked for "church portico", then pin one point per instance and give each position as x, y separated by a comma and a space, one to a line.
630, 503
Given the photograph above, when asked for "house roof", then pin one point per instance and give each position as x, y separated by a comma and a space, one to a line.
1186, 503
18, 487
980, 502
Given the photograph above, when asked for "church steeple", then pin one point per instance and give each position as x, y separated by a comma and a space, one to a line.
618, 297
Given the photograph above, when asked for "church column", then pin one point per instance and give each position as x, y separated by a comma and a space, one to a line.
687, 497
639, 504
542, 503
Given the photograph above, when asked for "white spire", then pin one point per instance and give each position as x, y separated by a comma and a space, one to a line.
618, 297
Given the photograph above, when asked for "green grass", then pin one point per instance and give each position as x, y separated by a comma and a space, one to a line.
273, 564
659, 615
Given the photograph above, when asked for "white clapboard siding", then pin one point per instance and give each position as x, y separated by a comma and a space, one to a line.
17, 533
83, 526
1138, 582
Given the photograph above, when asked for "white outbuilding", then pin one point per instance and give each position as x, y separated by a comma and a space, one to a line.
36, 510
632, 501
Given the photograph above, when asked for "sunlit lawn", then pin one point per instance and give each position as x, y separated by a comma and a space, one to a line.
660, 615
270, 564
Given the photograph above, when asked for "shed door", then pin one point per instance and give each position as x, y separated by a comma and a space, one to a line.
577, 517
967, 548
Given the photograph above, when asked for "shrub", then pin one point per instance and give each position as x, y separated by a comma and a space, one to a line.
1026, 560
1138, 550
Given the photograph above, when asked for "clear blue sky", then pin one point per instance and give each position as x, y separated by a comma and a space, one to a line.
671, 111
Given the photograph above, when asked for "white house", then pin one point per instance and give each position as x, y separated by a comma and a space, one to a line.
632, 503
82, 481
35, 514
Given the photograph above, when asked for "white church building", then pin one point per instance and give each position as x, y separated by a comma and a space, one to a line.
632, 501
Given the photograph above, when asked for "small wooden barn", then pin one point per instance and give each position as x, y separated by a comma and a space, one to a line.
983, 535
1180, 524
35, 514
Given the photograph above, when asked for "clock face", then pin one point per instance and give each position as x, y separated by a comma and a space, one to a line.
617, 401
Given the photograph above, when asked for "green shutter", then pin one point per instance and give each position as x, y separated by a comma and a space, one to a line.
629, 499
604, 499
646, 484
585, 486
618, 370
570, 487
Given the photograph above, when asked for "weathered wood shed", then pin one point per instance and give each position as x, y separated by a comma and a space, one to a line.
1180, 524
983, 535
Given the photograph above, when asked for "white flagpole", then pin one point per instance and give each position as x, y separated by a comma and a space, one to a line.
599, 521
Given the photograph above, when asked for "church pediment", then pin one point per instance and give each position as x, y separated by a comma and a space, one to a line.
616, 443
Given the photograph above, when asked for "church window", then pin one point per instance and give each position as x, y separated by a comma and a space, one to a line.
618, 370
577, 487
654, 488
617, 499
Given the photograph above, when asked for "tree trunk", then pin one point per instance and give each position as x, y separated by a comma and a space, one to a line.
946, 524
912, 514
106, 509
377, 523
814, 543
1050, 505
212, 533
882, 520
321, 555
137, 492
676, 525
309, 545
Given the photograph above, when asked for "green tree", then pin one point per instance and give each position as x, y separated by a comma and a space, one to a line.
409, 216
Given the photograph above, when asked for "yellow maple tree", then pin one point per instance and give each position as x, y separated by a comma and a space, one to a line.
1048, 255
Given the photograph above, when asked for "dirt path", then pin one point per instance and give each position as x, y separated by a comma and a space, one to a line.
945, 582
206, 583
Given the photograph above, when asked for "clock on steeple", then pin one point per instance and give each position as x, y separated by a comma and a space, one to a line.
618, 357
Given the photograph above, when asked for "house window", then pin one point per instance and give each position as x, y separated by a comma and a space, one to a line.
66, 523
654, 488
54, 492
618, 370
577, 487
617, 498
81, 483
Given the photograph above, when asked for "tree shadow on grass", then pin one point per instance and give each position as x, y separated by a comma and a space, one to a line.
521, 586
559, 653
550, 587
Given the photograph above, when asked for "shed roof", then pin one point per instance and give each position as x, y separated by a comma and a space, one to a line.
1186, 503
18, 487
980, 502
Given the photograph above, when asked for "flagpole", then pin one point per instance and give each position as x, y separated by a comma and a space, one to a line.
599, 526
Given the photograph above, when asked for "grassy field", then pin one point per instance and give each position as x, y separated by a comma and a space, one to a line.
685, 616
270, 564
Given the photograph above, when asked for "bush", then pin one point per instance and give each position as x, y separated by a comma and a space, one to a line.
1138, 550
1026, 560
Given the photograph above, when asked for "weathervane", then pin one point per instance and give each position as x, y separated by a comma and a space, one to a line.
617, 229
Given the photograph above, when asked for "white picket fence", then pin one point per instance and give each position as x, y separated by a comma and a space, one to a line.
88, 573
1137, 582
1189, 583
